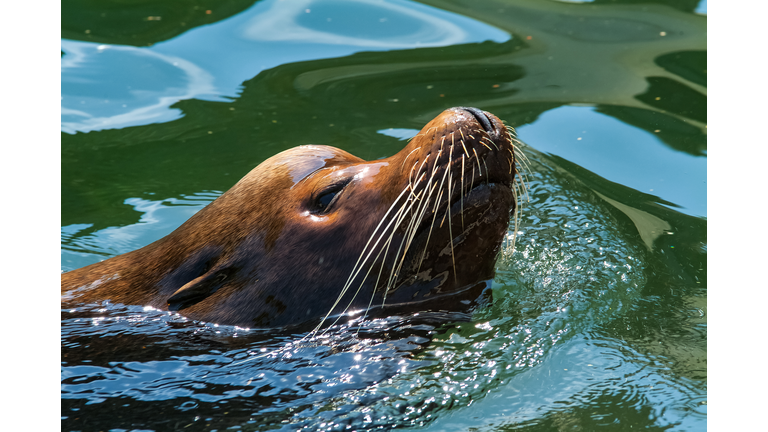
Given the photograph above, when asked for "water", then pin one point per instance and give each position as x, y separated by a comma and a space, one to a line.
599, 314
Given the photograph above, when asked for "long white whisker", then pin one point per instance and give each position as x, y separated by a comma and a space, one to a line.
477, 159
490, 141
357, 266
432, 188
405, 242
406, 158
434, 210
465, 148
472, 183
362, 281
413, 225
450, 228
385, 250
411, 230
462, 193
410, 179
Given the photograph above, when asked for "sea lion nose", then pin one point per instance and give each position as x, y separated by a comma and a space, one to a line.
482, 118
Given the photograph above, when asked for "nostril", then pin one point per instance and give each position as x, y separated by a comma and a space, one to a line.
482, 118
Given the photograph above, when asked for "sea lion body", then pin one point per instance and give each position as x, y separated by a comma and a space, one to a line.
315, 231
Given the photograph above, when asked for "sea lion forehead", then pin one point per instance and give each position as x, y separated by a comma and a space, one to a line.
299, 162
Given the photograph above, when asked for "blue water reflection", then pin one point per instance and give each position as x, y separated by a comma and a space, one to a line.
158, 218
128, 86
394, 24
110, 86
399, 133
702, 7
598, 143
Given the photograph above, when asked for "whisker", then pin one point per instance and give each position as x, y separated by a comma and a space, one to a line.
355, 268
477, 159
434, 214
362, 282
465, 149
441, 187
385, 251
519, 155
395, 268
462, 194
472, 184
394, 223
525, 186
410, 232
490, 141
431, 226
450, 228
381, 269
524, 166
406, 158
518, 210
425, 133
413, 186
410, 175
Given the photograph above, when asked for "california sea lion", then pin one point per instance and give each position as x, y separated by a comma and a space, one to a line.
315, 231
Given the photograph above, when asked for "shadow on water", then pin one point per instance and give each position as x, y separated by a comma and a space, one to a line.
599, 314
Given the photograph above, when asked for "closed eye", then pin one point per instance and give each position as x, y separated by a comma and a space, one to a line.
327, 197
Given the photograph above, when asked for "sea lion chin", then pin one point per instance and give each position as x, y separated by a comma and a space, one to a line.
314, 232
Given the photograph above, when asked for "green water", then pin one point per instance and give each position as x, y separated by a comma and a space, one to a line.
599, 314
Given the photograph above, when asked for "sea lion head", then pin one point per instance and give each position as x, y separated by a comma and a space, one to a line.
315, 231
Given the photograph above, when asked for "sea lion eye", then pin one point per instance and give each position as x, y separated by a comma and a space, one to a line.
324, 200
326, 197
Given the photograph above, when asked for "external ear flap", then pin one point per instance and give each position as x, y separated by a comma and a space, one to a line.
197, 289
